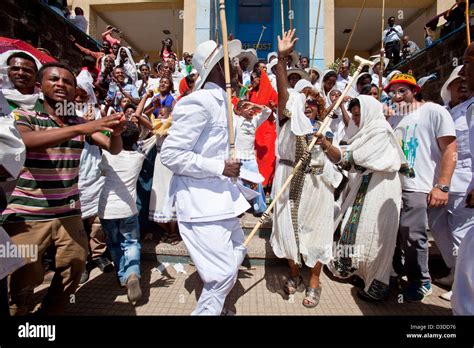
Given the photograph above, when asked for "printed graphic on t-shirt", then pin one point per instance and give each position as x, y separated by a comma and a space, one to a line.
410, 143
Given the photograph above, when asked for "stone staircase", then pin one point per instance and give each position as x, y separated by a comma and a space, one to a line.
259, 249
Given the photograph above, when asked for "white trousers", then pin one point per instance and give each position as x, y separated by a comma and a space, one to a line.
463, 287
449, 225
217, 250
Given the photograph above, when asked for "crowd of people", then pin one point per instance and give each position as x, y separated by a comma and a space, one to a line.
97, 161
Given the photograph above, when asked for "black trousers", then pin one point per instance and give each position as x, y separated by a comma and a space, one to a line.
392, 52
4, 307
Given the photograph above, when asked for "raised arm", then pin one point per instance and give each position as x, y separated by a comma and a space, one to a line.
285, 47
52, 137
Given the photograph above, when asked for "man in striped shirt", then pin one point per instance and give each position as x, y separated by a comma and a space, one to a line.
44, 208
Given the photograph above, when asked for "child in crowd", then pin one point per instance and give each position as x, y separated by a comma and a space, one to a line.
249, 117
118, 210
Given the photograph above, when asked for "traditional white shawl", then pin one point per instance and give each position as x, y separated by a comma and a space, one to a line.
129, 66
373, 144
26, 101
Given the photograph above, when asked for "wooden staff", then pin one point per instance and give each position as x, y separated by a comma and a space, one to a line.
382, 53
282, 18
228, 86
316, 32
362, 64
216, 20
381, 71
468, 24
260, 38
352, 33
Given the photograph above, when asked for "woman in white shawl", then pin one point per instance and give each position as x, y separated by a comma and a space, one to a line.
304, 215
125, 60
368, 221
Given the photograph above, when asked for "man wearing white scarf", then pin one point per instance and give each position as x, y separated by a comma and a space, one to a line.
366, 240
125, 60
18, 79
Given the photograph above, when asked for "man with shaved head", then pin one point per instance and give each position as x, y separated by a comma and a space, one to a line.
463, 288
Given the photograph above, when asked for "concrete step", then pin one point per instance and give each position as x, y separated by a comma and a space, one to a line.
259, 249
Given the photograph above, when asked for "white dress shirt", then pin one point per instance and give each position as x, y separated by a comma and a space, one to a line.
342, 82
463, 173
195, 150
395, 35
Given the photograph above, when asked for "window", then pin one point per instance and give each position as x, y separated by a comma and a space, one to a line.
255, 11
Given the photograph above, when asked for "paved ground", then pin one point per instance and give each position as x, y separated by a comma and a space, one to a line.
257, 292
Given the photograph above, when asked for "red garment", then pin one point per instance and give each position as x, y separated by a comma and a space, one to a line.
265, 136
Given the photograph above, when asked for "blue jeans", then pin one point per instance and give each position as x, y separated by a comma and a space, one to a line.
258, 203
123, 241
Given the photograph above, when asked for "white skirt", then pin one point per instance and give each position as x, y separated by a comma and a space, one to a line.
159, 191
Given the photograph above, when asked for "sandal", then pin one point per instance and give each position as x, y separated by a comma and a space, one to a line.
312, 297
292, 284
174, 239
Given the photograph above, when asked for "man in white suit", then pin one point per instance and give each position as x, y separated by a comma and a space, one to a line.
207, 202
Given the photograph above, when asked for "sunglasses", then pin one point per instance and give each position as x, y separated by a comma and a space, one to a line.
402, 91
311, 102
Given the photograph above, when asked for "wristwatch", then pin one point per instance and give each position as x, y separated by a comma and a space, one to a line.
444, 188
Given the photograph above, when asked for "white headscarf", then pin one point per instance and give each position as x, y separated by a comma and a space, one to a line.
26, 101
85, 82
129, 66
374, 145
445, 92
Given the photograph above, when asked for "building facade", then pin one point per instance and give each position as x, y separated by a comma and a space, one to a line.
145, 23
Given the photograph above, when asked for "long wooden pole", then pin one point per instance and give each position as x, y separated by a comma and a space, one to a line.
228, 86
352, 33
316, 32
468, 24
216, 20
382, 54
326, 122
260, 38
282, 18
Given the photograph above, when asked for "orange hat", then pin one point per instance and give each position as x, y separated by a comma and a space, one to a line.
403, 78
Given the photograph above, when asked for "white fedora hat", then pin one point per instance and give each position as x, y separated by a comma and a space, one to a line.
208, 54
318, 70
251, 55
272, 64
445, 93
271, 54
377, 61
303, 74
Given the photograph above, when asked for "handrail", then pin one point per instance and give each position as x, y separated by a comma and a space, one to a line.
435, 43
68, 22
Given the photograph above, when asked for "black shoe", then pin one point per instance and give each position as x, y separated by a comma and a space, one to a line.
104, 264
84, 277
134, 292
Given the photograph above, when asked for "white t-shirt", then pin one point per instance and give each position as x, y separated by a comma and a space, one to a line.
119, 193
418, 133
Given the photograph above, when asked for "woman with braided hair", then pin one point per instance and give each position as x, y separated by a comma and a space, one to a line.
303, 216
